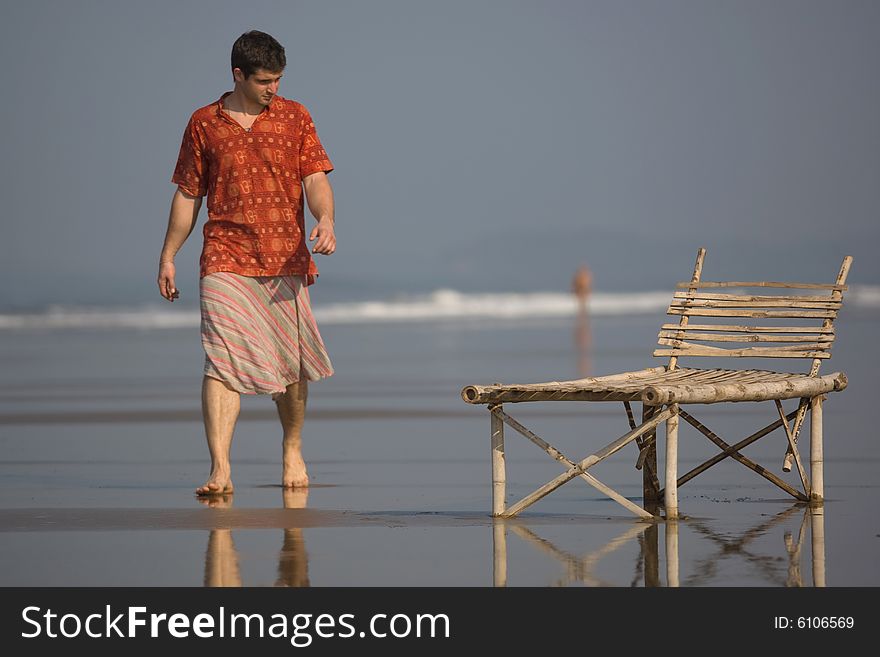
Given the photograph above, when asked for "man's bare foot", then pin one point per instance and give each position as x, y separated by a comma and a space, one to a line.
294, 474
215, 486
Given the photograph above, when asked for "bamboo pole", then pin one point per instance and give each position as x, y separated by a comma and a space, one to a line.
750, 352
499, 477
798, 422
559, 456
817, 459
583, 465
681, 393
695, 278
723, 296
715, 438
769, 302
817, 534
798, 286
515, 395
672, 553
793, 447
630, 417
671, 496
499, 553
745, 442
808, 351
740, 328
575, 390
758, 314
681, 335
648, 458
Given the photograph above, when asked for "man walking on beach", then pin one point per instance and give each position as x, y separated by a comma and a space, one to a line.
254, 154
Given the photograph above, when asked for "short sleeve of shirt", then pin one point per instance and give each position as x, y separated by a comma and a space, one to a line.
190, 174
312, 156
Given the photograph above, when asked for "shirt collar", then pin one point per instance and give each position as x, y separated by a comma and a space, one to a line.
272, 106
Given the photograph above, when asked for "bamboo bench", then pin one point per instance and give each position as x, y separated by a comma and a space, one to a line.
781, 323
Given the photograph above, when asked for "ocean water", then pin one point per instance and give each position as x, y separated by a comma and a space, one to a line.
102, 445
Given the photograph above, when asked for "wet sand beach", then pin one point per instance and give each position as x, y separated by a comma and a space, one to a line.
102, 446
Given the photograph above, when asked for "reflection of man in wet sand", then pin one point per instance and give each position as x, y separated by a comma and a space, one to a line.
221, 557
293, 562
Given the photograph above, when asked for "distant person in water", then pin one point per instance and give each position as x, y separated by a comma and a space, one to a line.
582, 286
257, 157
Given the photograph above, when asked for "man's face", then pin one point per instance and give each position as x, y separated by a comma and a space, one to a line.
260, 87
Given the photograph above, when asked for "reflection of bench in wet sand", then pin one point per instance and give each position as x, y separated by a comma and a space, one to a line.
581, 568
706, 568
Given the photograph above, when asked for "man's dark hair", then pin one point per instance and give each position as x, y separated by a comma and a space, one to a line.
254, 50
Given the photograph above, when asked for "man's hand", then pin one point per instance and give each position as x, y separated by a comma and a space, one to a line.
326, 237
319, 196
167, 287
181, 221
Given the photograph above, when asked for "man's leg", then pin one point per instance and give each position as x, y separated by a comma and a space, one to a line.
220, 407
292, 411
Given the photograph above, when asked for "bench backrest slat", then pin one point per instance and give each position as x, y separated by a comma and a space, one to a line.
802, 286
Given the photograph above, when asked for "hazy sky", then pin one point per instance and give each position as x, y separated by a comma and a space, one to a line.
478, 145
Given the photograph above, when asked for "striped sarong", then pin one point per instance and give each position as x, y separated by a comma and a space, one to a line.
259, 333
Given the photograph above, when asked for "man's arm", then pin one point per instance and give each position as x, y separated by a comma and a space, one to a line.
319, 196
181, 221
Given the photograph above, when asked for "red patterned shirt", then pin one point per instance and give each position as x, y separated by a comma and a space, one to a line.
253, 179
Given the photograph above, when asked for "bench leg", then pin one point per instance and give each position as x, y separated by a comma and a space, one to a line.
817, 458
499, 477
670, 494
650, 485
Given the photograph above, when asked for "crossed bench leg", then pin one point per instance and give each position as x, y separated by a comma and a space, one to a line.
579, 469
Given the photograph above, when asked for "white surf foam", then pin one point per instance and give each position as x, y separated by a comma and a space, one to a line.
440, 305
